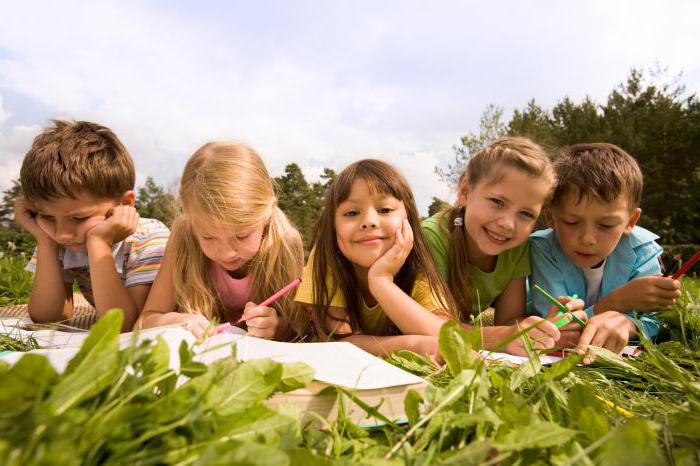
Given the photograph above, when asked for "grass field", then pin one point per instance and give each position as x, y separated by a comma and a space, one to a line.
122, 407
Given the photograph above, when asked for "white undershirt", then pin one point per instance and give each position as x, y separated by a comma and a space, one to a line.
594, 277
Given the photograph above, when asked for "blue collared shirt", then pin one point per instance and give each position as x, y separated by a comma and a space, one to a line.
636, 255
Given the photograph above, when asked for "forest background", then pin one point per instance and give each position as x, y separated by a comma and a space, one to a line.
651, 117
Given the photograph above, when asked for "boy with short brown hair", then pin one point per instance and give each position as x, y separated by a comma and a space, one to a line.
78, 181
596, 251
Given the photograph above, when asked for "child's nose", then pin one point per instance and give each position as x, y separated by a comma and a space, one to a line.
64, 234
588, 237
369, 220
506, 222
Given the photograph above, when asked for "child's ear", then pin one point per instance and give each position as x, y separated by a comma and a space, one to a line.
634, 218
462, 190
128, 198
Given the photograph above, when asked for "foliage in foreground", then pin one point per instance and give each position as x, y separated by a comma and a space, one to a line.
123, 407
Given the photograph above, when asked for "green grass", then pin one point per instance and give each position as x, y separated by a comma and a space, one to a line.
15, 282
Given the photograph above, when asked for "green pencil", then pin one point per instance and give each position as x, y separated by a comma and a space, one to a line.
562, 309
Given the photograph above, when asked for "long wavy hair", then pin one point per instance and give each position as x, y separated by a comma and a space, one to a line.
227, 184
383, 178
487, 164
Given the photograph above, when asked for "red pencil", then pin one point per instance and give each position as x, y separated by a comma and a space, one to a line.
688, 264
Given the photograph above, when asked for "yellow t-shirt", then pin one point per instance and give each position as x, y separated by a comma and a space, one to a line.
374, 320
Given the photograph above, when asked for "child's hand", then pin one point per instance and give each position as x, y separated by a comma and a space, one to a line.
646, 294
25, 216
197, 324
610, 330
393, 259
543, 336
121, 222
428, 347
261, 321
571, 332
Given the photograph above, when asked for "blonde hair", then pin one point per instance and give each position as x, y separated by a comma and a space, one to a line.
72, 158
227, 184
487, 165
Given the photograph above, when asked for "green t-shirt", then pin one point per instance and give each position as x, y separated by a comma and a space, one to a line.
485, 286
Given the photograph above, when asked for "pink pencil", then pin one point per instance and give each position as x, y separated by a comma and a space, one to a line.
293, 284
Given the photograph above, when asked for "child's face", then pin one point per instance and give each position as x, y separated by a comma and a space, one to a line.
67, 221
500, 216
229, 247
366, 223
588, 230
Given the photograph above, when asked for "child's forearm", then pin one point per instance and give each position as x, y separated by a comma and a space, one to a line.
383, 345
409, 316
610, 302
47, 300
493, 337
107, 288
152, 318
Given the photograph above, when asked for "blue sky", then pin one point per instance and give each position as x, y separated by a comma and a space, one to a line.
318, 83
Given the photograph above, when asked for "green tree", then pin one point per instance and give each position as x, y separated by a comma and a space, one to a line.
437, 205
153, 201
7, 207
491, 127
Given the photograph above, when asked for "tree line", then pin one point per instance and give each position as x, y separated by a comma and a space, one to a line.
658, 123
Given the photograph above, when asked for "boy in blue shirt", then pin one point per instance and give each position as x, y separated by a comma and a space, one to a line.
596, 251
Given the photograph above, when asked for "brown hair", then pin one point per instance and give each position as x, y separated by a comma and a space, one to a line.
73, 158
226, 183
487, 165
600, 171
383, 178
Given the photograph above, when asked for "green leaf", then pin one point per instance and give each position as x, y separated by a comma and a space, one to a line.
295, 375
455, 346
188, 367
93, 369
31, 375
473, 454
536, 435
104, 334
239, 453
524, 371
411, 405
635, 443
563, 367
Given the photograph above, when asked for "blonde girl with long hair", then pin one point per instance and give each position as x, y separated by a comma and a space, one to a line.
369, 279
481, 246
231, 247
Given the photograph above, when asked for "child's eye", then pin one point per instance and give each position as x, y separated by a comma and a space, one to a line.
242, 237
572, 223
48, 218
528, 215
208, 238
606, 227
79, 219
350, 213
497, 202
386, 210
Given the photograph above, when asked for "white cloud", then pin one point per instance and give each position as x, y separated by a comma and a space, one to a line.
320, 84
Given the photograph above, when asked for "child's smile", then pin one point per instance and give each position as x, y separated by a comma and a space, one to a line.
366, 223
500, 216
